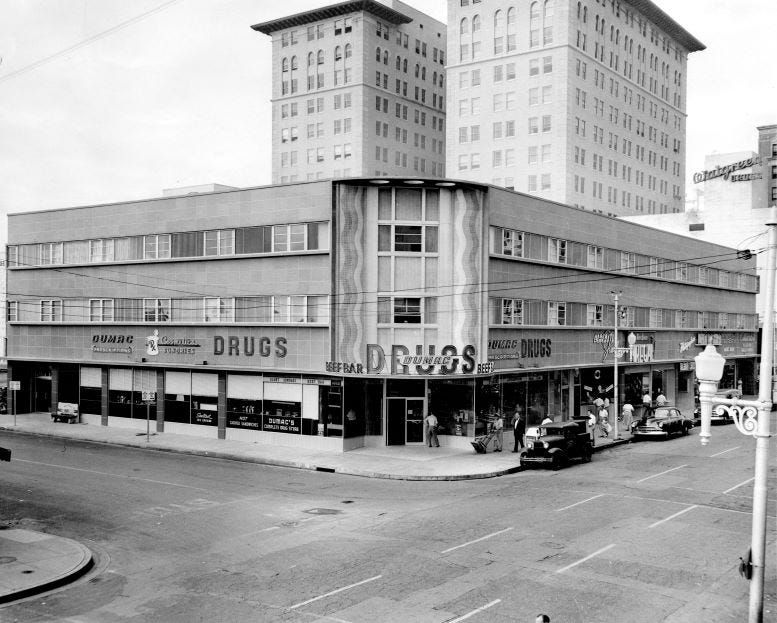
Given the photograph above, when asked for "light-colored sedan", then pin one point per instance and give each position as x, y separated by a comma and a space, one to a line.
662, 422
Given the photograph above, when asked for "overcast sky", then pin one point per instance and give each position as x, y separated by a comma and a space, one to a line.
109, 100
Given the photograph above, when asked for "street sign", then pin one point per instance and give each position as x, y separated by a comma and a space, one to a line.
14, 385
149, 396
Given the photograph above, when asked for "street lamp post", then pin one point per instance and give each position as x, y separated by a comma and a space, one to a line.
617, 353
751, 418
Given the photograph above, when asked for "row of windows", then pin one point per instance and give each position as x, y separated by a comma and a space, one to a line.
316, 31
391, 310
519, 244
217, 242
504, 37
254, 309
316, 105
471, 77
507, 311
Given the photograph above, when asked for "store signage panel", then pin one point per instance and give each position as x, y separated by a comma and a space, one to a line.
399, 361
517, 349
278, 423
726, 171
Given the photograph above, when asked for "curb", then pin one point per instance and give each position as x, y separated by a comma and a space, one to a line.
227, 456
83, 566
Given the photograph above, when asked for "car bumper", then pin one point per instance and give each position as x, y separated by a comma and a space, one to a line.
650, 433
539, 460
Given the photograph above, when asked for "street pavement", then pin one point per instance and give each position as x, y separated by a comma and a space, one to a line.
33, 562
648, 532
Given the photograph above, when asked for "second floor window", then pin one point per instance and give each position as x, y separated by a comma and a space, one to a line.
220, 242
557, 313
101, 310
156, 246
512, 243
595, 257
101, 250
51, 311
594, 315
156, 310
218, 309
557, 250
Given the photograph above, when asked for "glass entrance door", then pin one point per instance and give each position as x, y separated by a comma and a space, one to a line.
404, 421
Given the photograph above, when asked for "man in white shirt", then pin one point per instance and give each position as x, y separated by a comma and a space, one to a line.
498, 427
431, 430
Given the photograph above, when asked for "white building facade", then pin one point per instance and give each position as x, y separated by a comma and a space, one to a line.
730, 198
358, 89
579, 102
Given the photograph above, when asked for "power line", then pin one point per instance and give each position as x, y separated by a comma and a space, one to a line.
572, 278
87, 41
487, 288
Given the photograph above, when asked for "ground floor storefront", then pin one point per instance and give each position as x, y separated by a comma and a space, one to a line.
343, 412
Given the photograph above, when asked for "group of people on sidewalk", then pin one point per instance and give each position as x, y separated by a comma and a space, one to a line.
599, 421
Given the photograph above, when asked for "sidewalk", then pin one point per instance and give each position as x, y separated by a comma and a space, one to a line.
33, 562
392, 462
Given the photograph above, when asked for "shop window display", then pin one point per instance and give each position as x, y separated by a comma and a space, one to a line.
90, 396
120, 392
451, 402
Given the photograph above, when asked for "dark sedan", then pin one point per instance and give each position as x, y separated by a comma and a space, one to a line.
663, 422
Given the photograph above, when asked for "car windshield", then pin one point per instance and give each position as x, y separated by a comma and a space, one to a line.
662, 414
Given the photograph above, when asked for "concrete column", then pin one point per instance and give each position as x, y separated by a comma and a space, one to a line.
104, 397
11, 396
54, 388
222, 406
160, 401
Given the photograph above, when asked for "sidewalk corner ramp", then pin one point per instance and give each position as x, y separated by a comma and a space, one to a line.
34, 562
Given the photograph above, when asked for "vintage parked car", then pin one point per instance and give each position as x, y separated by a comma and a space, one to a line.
557, 444
662, 422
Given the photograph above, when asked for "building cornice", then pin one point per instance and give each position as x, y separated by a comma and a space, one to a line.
334, 10
668, 25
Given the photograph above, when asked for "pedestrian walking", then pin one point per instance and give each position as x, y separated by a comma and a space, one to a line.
660, 399
498, 428
519, 429
646, 401
431, 430
604, 422
628, 416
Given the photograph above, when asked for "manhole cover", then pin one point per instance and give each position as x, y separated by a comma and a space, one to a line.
4, 560
322, 511
552, 545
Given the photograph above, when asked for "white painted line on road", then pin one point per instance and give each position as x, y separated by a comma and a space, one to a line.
483, 538
578, 503
474, 612
677, 514
334, 592
92, 471
582, 560
724, 451
739, 485
662, 473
